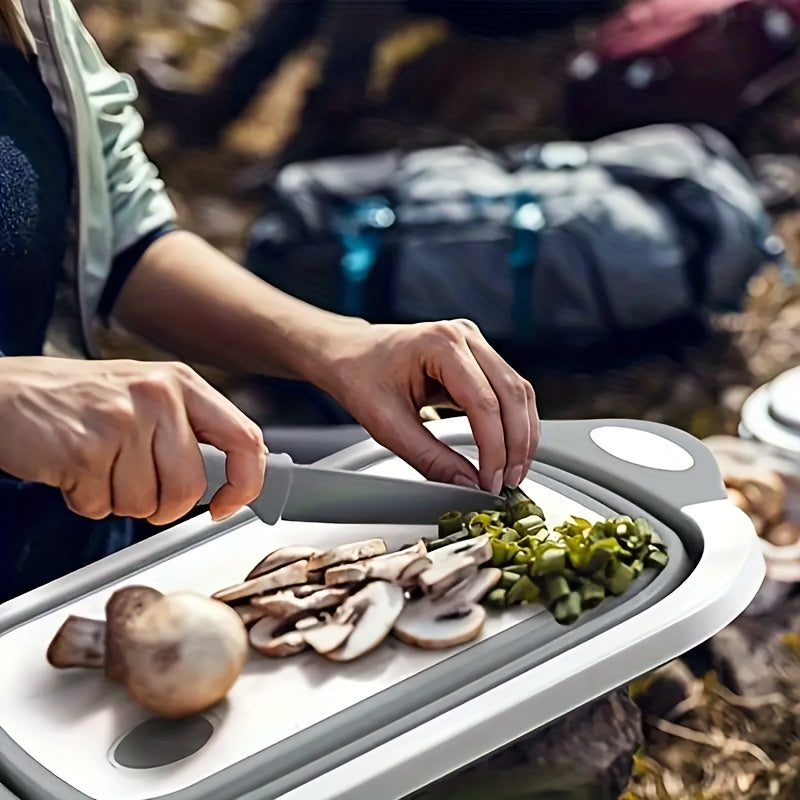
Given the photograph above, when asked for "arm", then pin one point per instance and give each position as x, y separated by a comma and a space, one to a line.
193, 300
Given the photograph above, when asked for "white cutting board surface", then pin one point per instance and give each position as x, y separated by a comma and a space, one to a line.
69, 720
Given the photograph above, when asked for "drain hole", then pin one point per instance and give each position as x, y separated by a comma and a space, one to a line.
158, 742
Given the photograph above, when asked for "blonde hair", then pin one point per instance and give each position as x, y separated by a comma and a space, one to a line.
11, 26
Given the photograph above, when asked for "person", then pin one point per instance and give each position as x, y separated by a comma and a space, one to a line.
88, 235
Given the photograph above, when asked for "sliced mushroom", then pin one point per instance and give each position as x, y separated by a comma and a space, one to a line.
417, 627
347, 553
287, 605
281, 558
400, 568
289, 575
123, 606
327, 636
474, 589
343, 574
79, 642
249, 613
372, 611
453, 619
477, 550
453, 564
304, 590
267, 637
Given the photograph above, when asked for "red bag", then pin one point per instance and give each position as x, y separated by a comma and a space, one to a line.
686, 61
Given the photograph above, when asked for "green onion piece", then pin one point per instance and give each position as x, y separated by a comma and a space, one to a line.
592, 594
555, 587
655, 558
450, 522
548, 559
567, 609
499, 552
508, 579
509, 535
517, 569
523, 592
523, 556
496, 598
528, 525
621, 578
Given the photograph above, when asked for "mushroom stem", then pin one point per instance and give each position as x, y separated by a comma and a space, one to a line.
79, 642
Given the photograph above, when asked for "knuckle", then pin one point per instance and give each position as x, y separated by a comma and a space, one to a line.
91, 506
467, 324
487, 403
116, 415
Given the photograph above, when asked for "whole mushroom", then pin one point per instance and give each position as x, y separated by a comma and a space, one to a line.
177, 654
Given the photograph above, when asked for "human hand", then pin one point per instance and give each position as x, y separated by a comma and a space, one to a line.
121, 436
383, 374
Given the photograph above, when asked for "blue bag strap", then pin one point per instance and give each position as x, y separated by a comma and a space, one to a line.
360, 225
527, 222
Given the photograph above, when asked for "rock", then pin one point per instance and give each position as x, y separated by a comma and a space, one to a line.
751, 656
585, 755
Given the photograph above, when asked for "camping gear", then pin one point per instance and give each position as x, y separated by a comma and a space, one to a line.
709, 61
558, 245
397, 719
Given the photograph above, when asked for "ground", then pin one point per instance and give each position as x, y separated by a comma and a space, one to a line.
716, 745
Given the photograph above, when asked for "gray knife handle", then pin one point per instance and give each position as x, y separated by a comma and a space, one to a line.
277, 482
661, 465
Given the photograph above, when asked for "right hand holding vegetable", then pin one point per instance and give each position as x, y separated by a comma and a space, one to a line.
121, 436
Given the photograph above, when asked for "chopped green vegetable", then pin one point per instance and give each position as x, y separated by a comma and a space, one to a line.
571, 568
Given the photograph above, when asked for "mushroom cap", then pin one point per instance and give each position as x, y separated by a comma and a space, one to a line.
372, 610
288, 554
183, 653
122, 607
419, 627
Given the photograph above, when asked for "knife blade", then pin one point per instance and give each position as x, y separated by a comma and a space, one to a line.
307, 493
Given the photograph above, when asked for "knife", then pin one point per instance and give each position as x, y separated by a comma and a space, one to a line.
315, 494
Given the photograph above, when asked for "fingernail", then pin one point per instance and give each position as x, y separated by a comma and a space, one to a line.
516, 477
497, 482
222, 517
463, 480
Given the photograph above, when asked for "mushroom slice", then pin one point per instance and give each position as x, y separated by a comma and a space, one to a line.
372, 611
249, 613
280, 558
287, 605
397, 568
474, 589
346, 573
327, 636
122, 608
289, 575
305, 623
454, 618
477, 550
419, 626
305, 589
443, 576
267, 637
356, 551
79, 642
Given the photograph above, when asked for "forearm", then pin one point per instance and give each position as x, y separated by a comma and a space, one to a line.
191, 299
